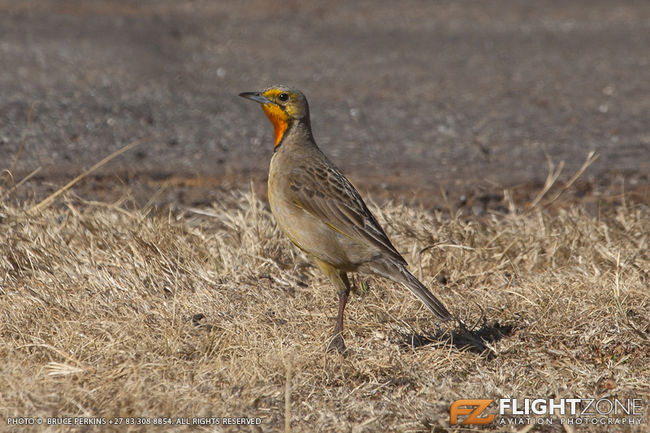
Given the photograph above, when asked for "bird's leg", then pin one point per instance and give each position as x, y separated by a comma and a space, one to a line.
337, 339
342, 284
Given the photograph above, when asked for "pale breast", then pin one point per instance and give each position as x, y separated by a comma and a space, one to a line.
307, 232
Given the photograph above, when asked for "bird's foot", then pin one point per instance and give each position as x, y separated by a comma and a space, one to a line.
337, 344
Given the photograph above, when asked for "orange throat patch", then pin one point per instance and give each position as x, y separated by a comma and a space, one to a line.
279, 119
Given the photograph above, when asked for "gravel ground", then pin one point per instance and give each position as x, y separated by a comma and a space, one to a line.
411, 97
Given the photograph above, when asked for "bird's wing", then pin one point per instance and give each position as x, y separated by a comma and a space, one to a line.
322, 191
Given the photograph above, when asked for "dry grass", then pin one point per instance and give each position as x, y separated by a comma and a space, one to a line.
109, 312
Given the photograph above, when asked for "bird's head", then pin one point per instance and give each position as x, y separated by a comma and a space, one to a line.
283, 106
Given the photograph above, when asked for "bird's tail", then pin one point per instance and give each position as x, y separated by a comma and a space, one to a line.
398, 273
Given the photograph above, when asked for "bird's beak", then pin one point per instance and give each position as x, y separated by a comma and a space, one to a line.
256, 96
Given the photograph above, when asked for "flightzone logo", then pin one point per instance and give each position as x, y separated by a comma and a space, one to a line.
473, 409
548, 411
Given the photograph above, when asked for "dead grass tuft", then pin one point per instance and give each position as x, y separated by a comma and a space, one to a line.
107, 312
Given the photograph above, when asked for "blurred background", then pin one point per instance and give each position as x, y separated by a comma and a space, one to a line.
425, 101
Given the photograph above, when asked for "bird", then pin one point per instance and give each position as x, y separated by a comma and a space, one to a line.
322, 213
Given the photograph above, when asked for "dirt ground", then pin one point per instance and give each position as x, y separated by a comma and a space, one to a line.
412, 100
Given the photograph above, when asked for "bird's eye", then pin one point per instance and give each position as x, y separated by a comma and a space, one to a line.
283, 97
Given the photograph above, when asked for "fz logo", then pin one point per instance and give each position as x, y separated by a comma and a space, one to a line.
471, 408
